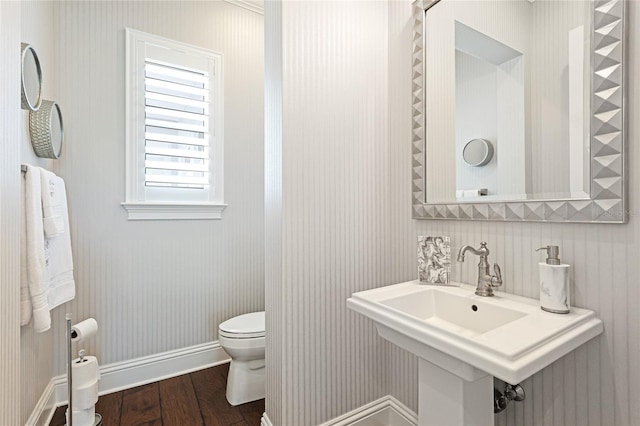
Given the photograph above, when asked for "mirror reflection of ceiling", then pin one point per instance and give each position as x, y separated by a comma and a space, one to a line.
515, 73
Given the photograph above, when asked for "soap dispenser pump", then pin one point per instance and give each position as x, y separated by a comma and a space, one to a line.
554, 282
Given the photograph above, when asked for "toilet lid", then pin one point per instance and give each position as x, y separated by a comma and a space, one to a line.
244, 326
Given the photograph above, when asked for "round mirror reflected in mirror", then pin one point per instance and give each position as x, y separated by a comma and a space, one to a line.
477, 152
31, 79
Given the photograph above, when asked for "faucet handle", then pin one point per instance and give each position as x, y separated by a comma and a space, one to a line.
497, 277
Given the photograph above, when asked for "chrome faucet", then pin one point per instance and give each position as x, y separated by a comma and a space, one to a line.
486, 281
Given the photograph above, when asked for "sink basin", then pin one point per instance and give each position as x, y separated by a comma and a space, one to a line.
453, 311
506, 336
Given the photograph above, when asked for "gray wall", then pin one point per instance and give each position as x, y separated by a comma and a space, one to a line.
332, 214
346, 226
345, 221
37, 29
153, 286
10, 125
597, 384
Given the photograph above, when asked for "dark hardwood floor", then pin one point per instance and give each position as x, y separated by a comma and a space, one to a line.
193, 399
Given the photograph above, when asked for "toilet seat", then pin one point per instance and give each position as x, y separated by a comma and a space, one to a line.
247, 326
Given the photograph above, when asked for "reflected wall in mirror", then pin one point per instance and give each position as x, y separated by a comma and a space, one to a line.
518, 74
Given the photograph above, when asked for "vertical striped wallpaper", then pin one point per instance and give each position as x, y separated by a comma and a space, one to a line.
158, 285
598, 384
402, 366
346, 226
37, 364
10, 120
335, 212
476, 103
155, 286
337, 219
498, 20
273, 211
512, 173
539, 30
551, 23
439, 44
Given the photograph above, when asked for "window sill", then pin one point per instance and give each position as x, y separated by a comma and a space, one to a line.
173, 211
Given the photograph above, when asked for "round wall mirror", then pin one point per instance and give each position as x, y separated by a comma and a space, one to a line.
477, 152
46, 130
31, 79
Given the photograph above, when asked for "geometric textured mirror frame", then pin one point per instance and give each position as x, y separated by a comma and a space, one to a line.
608, 202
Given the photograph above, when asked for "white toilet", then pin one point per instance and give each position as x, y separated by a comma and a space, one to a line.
242, 337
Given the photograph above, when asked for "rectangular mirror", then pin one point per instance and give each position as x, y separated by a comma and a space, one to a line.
518, 110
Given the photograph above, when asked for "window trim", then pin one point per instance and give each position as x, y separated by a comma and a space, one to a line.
137, 207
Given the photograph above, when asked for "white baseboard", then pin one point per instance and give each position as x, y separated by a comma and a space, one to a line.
386, 411
135, 372
44, 409
149, 369
264, 421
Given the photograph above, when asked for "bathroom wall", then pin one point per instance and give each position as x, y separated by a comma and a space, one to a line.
345, 217
598, 383
490, 105
332, 216
476, 87
346, 226
501, 21
153, 286
552, 22
513, 23
37, 364
273, 210
402, 366
10, 123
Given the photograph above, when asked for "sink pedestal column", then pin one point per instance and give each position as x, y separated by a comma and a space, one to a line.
446, 399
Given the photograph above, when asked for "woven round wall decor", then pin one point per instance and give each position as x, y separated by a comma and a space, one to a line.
46, 130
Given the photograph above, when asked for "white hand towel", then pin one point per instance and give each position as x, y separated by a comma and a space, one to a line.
58, 256
35, 257
47, 265
53, 218
25, 297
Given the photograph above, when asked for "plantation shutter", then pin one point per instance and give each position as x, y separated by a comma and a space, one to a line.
176, 119
174, 122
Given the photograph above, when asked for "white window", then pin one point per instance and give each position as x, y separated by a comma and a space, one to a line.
174, 157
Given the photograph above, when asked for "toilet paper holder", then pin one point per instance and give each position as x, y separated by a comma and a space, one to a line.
72, 335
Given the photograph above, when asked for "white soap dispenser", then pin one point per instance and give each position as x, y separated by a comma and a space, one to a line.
554, 283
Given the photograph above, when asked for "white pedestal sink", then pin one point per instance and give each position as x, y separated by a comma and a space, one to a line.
463, 341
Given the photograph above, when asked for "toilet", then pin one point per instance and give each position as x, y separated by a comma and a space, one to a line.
242, 338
